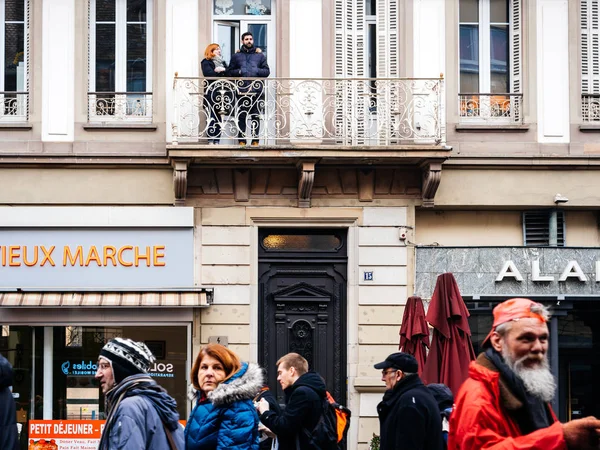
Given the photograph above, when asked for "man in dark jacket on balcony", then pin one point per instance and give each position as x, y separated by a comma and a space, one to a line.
8, 416
304, 394
249, 62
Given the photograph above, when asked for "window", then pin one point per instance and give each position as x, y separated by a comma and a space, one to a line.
490, 60
590, 60
120, 68
14, 23
539, 229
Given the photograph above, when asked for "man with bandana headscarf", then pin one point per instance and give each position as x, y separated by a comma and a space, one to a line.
504, 404
140, 413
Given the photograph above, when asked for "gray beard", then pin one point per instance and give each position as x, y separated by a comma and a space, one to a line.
538, 382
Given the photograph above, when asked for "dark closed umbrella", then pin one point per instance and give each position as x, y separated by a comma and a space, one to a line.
414, 332
451, 347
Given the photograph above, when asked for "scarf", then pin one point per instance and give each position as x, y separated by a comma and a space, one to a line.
534, 413
219, 62
140, 384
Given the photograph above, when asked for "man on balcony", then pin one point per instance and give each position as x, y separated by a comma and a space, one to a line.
249, 62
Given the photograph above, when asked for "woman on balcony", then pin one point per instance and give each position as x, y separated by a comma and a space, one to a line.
218, 98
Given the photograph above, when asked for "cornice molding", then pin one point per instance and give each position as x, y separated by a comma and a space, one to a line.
432, 175
180, 176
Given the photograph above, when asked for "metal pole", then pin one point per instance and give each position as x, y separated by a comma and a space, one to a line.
553, 229
48, 372
554, 359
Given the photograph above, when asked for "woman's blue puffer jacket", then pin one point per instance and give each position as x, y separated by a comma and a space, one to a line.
227, 419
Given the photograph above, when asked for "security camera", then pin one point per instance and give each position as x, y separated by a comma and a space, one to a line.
560, 199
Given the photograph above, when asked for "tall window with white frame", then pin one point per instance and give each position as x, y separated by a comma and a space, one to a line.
14, 21
120, 61
490, 61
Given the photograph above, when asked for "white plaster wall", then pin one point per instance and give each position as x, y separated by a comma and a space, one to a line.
183, 52
58, 70
429, 38
553, 70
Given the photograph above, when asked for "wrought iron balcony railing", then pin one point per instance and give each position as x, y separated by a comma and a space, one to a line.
15, 107
590, 107
120, 106
284, 111
498, 109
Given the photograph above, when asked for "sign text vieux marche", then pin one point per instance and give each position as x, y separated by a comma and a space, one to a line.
83, 256
571, 271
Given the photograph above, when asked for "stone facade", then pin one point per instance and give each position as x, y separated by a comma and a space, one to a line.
476, 270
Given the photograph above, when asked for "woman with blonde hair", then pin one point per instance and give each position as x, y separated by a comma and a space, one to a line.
217, 100
224, 416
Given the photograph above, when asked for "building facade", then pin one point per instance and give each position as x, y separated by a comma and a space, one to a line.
396, 140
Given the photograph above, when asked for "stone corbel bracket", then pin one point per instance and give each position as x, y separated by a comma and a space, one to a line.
306, 179
180, 175
432, 175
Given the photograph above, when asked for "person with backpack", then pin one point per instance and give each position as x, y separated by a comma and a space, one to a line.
140, 415
445, 400
409, 418
305, 393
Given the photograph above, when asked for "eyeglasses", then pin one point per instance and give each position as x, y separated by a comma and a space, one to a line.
386, 371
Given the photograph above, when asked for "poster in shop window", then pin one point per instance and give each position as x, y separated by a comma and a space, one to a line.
65, 434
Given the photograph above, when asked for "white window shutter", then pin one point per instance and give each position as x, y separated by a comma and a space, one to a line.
516, 56
590, 47
340, 12
387, 39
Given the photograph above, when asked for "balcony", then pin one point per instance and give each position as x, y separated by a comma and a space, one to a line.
315, 112
491, 109
590, 108
15, 107
305, 130
120, 107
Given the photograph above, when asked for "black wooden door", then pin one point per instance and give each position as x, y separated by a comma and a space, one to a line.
302, 302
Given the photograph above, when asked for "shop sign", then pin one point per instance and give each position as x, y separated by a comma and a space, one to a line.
89, 368
572, 270
97, 258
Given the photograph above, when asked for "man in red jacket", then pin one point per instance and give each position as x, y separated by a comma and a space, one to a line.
504, 404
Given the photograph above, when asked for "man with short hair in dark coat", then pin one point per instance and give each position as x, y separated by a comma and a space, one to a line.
304, 394
8, 415
409, 417
252, 63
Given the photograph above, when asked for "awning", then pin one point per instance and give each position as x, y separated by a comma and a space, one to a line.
194, 299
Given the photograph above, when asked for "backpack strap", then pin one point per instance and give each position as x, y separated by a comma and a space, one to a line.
170, 438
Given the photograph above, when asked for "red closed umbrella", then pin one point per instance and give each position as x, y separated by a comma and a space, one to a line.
451, 347
414, 332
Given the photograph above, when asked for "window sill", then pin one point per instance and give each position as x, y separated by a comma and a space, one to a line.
16, 126
490, 127
589, 128
120, 126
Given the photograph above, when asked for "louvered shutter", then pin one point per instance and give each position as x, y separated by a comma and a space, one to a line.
590, 56
516, 56
387, 39
536, 228
350, 40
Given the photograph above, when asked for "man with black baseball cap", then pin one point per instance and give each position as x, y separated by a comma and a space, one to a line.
409, 417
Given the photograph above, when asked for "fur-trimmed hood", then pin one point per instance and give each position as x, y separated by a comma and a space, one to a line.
243, 385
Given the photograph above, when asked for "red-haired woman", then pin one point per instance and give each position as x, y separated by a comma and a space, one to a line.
224, 416
218, 98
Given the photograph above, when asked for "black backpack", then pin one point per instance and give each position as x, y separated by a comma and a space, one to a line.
332, 428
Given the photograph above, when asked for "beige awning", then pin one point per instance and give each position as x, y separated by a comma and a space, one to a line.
104, 299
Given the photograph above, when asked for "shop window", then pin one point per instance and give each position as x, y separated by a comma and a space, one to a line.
74, 393
590, 60
490, 61
544, 228
120, 60
14, 72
